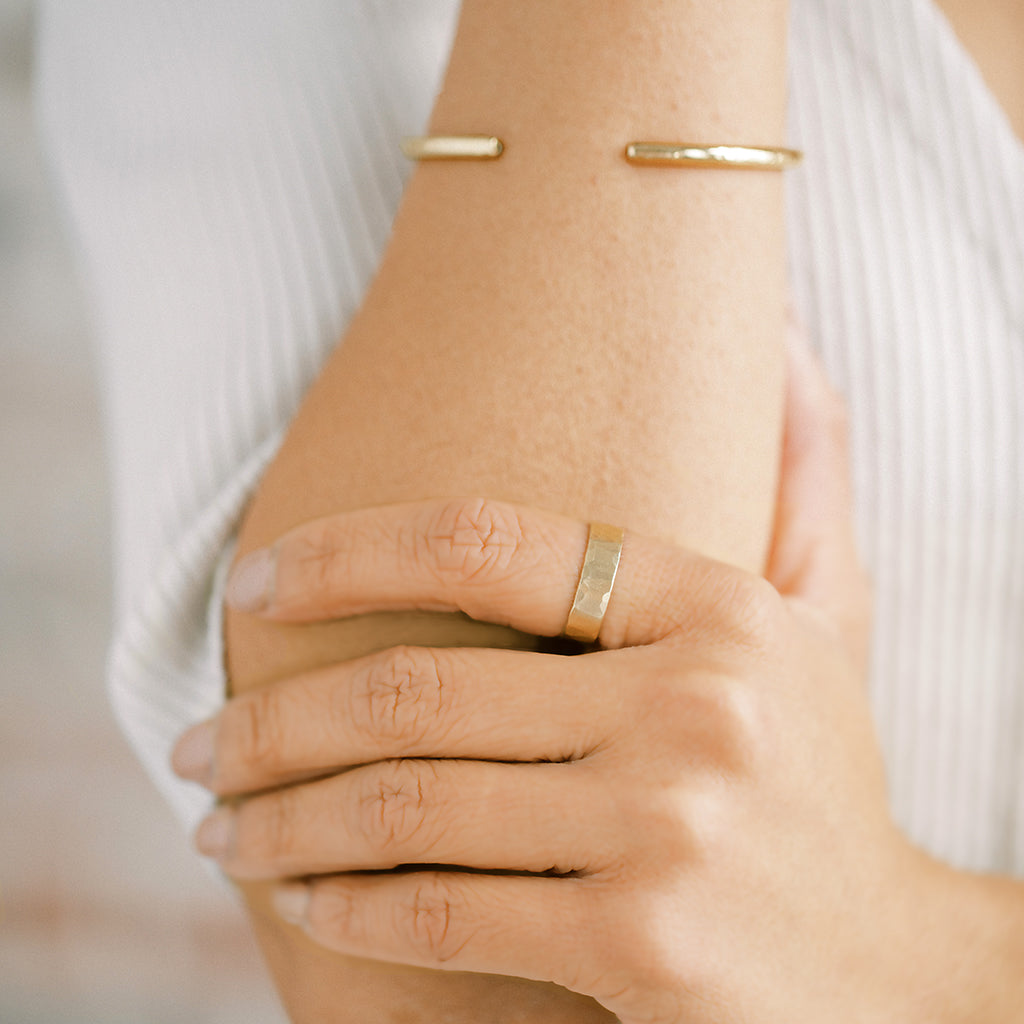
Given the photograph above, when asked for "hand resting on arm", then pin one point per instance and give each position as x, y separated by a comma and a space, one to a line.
558, 329
711, 803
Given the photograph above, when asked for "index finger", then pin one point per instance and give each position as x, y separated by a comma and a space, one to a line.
495, 562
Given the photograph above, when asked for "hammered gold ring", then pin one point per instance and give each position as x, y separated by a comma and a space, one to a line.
597, 577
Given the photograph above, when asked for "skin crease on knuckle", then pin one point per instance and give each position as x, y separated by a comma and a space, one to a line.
334, 917
745, 612
397, 699
397, 810
695, 831
472, 540
252, 730
267, 830
432, 918
323, 556
694, 714
627, 965
722, 727
435, 920
390, 421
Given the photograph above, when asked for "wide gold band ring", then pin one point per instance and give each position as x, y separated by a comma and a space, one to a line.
597, 577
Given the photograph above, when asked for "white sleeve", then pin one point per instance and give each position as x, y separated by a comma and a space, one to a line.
230, 172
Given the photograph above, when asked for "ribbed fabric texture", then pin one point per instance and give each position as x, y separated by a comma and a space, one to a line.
907, 250
231, 173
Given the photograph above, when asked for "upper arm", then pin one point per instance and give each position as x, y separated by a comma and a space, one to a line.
556, 329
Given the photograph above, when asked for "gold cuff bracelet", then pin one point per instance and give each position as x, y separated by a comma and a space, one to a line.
660, 154
453, 147
691, 154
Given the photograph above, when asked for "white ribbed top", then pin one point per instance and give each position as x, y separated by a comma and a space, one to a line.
231, 174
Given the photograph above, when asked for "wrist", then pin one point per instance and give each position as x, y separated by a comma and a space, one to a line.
967, 958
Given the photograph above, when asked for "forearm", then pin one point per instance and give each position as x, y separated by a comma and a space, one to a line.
655, 297
557, 328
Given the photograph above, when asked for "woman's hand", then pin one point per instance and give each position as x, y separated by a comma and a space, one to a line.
689, 825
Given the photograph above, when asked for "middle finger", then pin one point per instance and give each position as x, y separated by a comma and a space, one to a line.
415, 702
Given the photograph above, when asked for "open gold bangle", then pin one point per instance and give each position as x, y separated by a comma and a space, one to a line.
691, 154
453, 147
600, 564
663, 154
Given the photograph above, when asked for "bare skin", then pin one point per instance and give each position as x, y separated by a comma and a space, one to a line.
993, 33
557, 329
492, 411
745, 747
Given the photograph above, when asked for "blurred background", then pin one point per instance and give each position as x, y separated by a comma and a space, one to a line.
105, 913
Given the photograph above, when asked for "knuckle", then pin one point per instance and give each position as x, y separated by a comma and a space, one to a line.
324, 553
635, 618
251, 734
651, 1000
742, 735
651, 608
397, 698
704, 835
740, 727
639, 968
334, 915
434, 919
471, 540
746, 610
268, 829
638, 971
679, 827
721, 724
394, 810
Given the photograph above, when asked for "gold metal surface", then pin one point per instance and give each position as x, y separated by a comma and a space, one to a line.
600, 564
453, 147
690, 154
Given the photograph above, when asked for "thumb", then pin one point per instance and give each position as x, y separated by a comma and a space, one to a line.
814, 552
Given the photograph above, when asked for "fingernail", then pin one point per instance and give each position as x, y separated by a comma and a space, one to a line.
192, 757
251, 582
290, 901
215, 834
